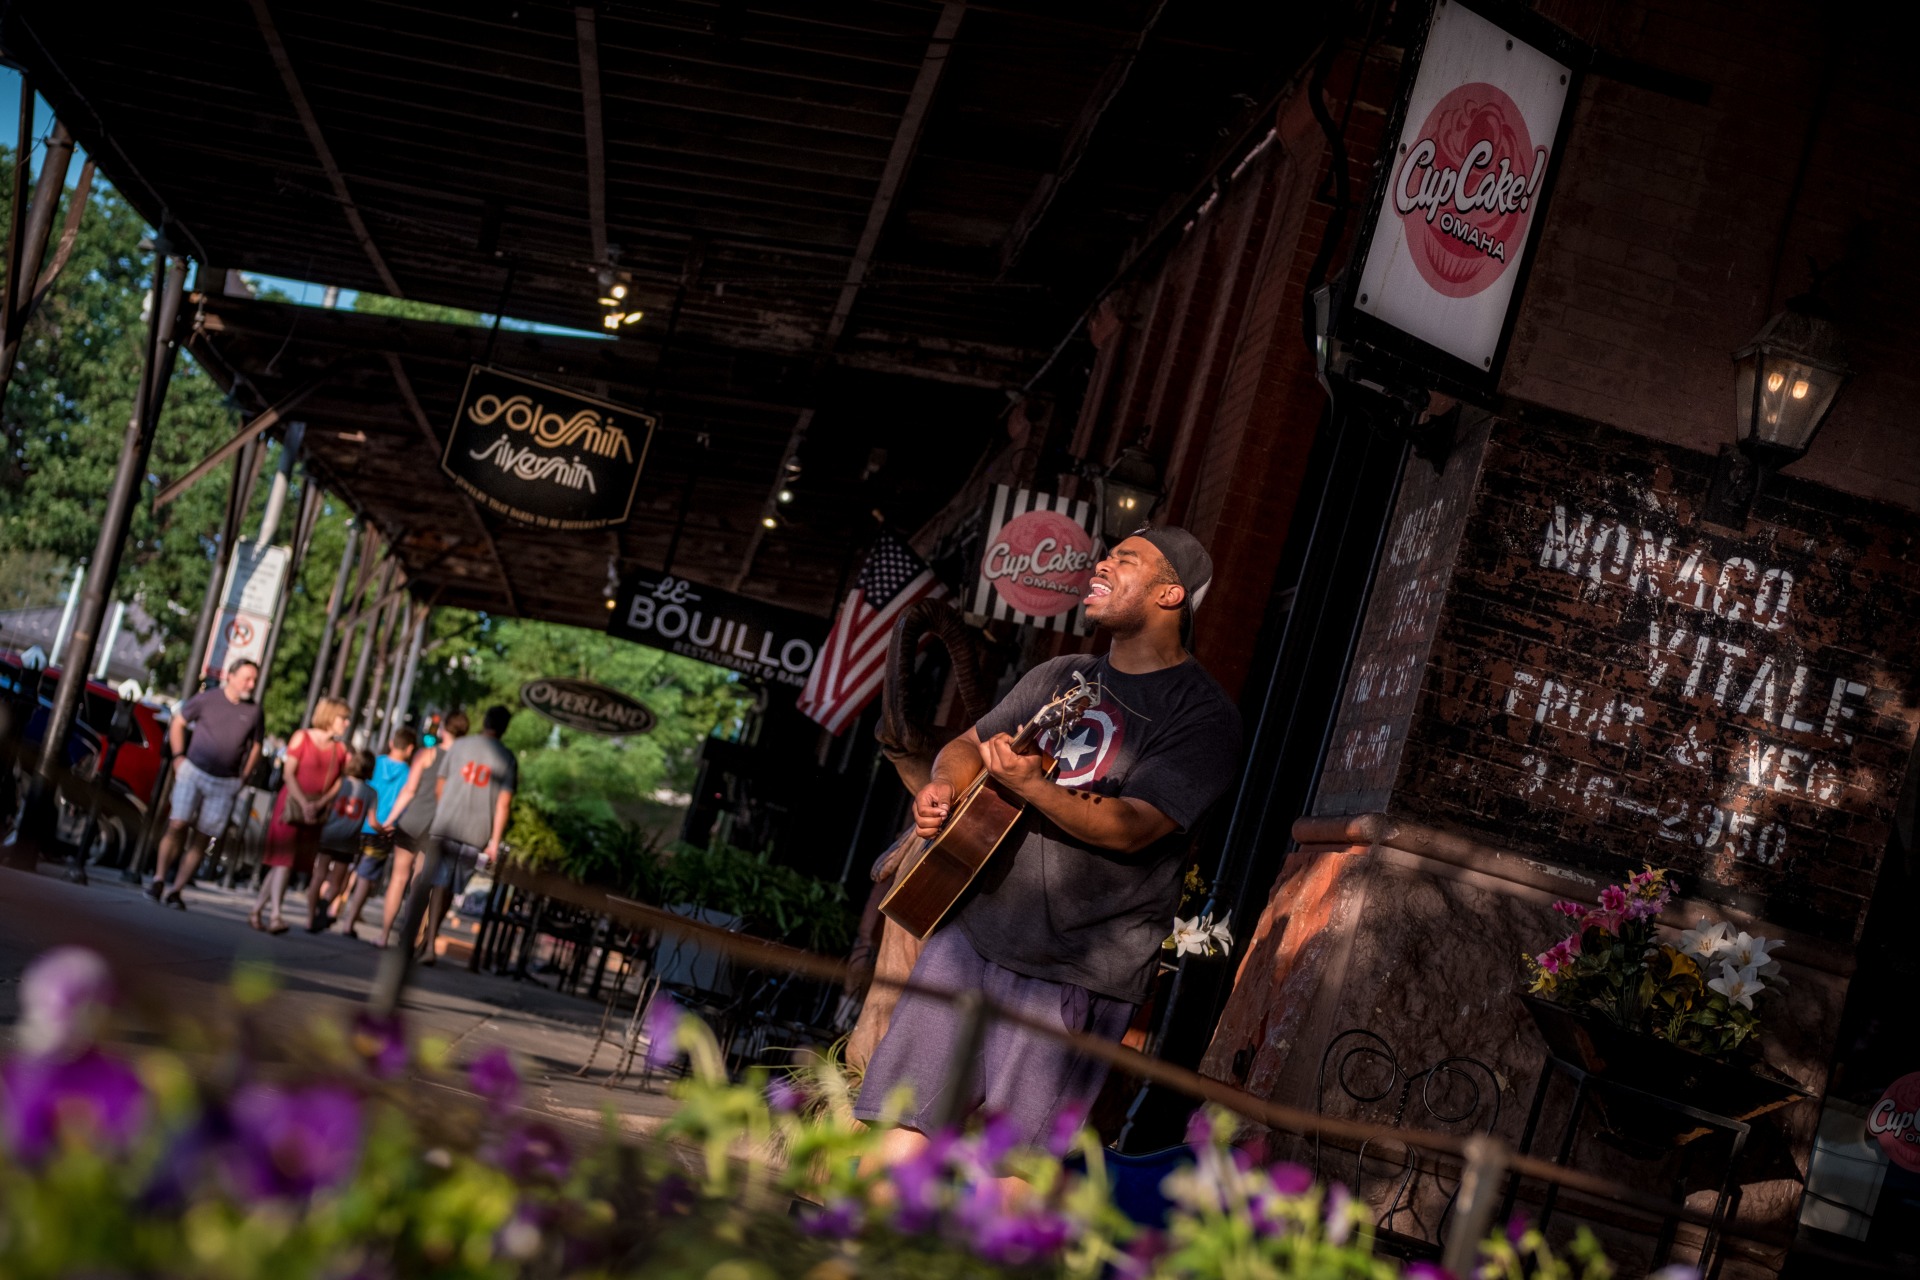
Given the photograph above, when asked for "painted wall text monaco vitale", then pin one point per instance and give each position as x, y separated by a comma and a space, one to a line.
1560, 658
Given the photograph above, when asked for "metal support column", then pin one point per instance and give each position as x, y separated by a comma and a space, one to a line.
217, 574
169, 282
334, 601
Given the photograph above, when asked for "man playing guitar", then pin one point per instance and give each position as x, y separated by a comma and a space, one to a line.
1065, 923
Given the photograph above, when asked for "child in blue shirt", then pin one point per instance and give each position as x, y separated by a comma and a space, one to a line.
376, 840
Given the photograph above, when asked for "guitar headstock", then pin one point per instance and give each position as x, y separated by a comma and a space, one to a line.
1060, 713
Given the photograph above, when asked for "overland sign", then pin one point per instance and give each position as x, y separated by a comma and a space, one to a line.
588, 707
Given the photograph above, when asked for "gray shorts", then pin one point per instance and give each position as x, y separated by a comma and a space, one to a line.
457, 865
1023, 1075
202, 800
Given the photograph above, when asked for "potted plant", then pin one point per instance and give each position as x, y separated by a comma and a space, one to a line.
1679, 1020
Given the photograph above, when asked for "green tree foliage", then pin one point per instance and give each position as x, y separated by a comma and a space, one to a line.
477, 660
66, 414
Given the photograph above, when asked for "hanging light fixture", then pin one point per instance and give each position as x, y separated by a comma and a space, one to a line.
1785, 382
1129, 490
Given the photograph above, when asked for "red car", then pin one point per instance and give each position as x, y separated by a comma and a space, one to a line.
136, 767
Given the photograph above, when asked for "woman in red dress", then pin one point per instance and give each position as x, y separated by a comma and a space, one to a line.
316, 760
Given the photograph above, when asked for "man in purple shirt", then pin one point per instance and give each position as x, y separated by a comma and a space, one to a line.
212, 766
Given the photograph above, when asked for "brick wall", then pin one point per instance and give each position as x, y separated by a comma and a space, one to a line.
1676, 229
1612, 681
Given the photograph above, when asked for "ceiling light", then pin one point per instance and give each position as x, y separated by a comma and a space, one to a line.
611, 321
631, 317
785, 495
618, 291
768, 522
609, 301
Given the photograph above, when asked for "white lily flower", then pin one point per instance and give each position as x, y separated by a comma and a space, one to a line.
1706, 941
1749, 949
1739, 986
1223, 935
1189, 939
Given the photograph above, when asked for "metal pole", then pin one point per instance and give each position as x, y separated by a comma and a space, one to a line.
32, 244
113, 635
396, 659
168, 284
282, 478
217, 574
403, 696
333, 616
1486, 1165
66, 616
397, 961
382, 636
370, 636
369, 548
302, 535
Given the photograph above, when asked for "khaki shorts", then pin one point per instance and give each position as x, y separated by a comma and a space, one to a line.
202, 800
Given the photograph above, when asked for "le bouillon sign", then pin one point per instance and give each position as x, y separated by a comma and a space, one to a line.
544, 455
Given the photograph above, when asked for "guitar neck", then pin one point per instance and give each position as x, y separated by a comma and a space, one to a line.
1027, 741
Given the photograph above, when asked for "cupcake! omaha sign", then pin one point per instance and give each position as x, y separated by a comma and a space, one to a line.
1462, 201
1039, 558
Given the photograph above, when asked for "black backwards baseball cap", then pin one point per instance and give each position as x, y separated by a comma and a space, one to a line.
1192, 566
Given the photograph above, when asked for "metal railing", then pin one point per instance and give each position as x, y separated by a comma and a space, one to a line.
1486, 1163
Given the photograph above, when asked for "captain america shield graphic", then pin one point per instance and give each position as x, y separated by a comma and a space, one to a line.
1088, 749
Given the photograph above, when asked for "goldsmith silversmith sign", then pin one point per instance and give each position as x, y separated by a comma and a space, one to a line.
544, 455
696, 621
592, 708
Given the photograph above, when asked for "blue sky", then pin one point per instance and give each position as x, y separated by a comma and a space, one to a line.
302, 291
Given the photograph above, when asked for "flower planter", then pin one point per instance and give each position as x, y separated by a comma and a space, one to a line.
1738, 1090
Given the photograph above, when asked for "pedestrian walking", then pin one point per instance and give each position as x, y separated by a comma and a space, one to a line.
313, 771
390, 774
476, 799
214, 761
412, 819
340, 840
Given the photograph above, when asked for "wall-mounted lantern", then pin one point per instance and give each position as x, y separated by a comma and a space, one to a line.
1785, 382
1129, 491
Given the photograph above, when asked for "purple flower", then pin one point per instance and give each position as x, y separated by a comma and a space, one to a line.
1339, 1213
840, 1220
294, 1142
918, 1182
1065, 1129
1200, 1129
1572, 910
493, 1078
93, 1097
1146, 1249
64, 998
533, 1152
381, 1043
1291, 1179
674, 1196
1018, 1240
1426, 1271
998, 1136
663, 1023
785, 1097
1516, 1228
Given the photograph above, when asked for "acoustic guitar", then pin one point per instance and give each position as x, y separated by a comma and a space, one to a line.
934, 873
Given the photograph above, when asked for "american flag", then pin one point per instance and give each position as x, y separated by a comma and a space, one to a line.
851, 666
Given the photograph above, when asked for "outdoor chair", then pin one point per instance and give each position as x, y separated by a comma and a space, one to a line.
1457, 1094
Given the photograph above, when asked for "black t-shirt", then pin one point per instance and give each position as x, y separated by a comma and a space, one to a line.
1050, 907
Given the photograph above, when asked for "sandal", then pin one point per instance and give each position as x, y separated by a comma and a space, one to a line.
278, 926
253, 918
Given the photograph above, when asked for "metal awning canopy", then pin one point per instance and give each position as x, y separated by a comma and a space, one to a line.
853, 225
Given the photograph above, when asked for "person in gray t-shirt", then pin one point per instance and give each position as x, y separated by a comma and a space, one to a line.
209, 771
474, 801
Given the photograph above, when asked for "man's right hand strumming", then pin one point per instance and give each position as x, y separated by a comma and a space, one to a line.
930, 808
